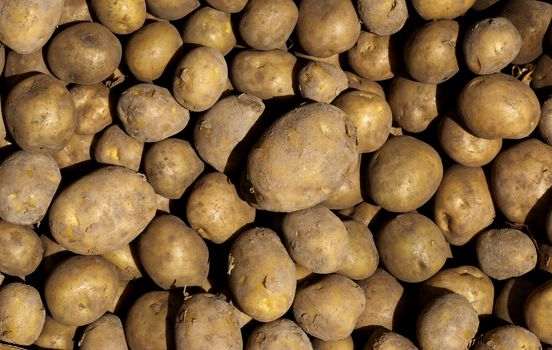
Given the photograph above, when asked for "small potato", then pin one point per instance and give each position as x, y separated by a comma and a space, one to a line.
171, 166
200, 78
206, 321
159, 41
414, 104
81, 289
26, 26
441, 9
463, 146
230, 6
341, 344
105, 333
28, 182
362, 258
505, 253
22, 314
373, 57
329, 308
537, 313
115, 147
120, 16
84, 53
261, 275
267, 24
321, 82
215, 210
279, 334
172, 254
210, 27
463, 205
513, 113
171, 9
542, 76
92, 108
430, 53
365, 212
545, 121
125, 261
55, 335
362, 84
382, 17
89, 218
265, 74
449, 322
385, 340
506, 338
509, 302
316, 239
18, 66
20, 250
412, 247
75, 11
78, 150
350, 191
327, 27
40, 114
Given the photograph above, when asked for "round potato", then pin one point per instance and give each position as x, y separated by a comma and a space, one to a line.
105, 333
509, 302
321, 82
281, 333
125, 262
385, 340
537, 313
210, 27
383, 17
20, 250
373, 57
120, 16
230, 6
91, 108
362, 257
55, 335
441, 9
22, 314
172, 9
508, 337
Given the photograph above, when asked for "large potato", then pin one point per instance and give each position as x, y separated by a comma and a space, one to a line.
120, 16
382, 17
89, 217
20, 250
282, 333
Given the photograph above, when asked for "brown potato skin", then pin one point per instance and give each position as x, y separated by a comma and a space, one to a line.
81, 289
91, 107
357, 82
441, 9
511, 298
210, 27
20, 250
282, 333
373, 56
78, 150
508, 337
542, 76
75, 11
105, 333
171, 9
341, 344
350, 191
382, 17
545, 121
18, 67
82, 218
120, 16
22, 314
230, 6
537, 312
362, 258
125, 261
321, 82
385, 340
55, 335
115, 147
513, 114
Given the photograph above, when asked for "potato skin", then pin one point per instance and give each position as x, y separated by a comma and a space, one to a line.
279, 334
75, 11
125, 262
545, 121
210, 27
508, 337
115, 147
439, 9
373, 56
262, 276
20, 250
537, 313
362, 258
91, 107
120, 16
511, 299
382, 17
341, 344
82, 217
171, 9
321, 82
105, 333
78, 150
386, 340
55, 335
18, 67
230, 6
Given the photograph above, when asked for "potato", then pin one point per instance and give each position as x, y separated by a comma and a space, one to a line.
481, 5
412, 247
200, 78
463, 205
438, 9
327, 27
362, 257
308, 140
385, 340
508, 337
509, 302
222, 133
359, 83
265, 74
321, 82
18, 67
373, 57
120, 16
75, 11
55, 335
159, 41
92, 108
341, 344
78, 150
382, 17
449, 322
414, 104
267, 24
349, 193
50, 129
520, 181
430, 53
124, 288
231, 6
545, 121
404, 174
505, 253
215, 210
171, 166
329, 307
316, 239
365, 212
115, 147
302, 272
206, 321
125, 261
84, 53
464, 147
81, 289
26, 26
513, 114
172, 254
105, 333
542, 76
537, 312
171, 9
89, 218
20, 250
279, 334
210, 27
28, 182
261, 275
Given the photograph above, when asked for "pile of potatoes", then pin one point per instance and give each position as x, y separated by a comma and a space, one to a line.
276, 174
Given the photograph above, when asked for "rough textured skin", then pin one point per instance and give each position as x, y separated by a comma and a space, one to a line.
89, 218
463, 205
26, 26
373, 57
75, 11
20, 250
509, 302
48, 130
262, 276
231, 6
55, 335
172, 9
513, 114
91, 107
84, 53
115, 147
210, 27
207, 322
308, 140
120, 16
78, 150
385, 340
362, 258
382, 17
124, 260
321, 82
449, 322
545, 121
430, 53
506, 338
28, 183
329, 308
281, 334
538, 313
81, 289
105, 333
349, 193
505, 253
441, 9
341, 344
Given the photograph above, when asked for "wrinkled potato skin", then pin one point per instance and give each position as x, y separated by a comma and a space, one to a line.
78, 150
20, 250
441, 9
210, 27
341, 344
81, 289
262, 276
362, 259
28, 183
26, 26
279, 334
120, 16
75, 11
537, 312
372, 57
172, 9
508, 337
115, 147
463, 205
510, 300
385, 340
125, 262
91, 107
514, 113
230, 6
82, 217
321, 82
383, 17
105, 333
55, 335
